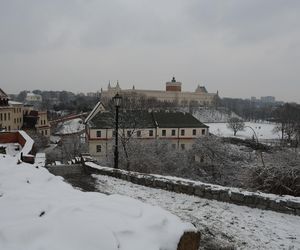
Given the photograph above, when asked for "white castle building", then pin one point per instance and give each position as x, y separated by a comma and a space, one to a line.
172, 93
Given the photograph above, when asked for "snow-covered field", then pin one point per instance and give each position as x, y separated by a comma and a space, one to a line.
264, 131
225, 224
40, 211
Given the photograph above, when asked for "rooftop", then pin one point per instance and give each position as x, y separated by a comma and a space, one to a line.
146, 119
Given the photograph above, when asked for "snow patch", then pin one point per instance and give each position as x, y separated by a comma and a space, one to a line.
40, 211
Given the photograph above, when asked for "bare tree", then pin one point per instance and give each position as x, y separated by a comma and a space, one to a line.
235, 124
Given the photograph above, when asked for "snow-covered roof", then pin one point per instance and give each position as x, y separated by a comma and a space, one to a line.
14, 103
27, 147
71, 127
40, 211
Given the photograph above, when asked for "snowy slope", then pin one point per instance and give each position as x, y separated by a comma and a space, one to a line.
40, 211
213, 115
220, 223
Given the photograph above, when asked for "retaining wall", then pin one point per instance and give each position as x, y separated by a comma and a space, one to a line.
283, 204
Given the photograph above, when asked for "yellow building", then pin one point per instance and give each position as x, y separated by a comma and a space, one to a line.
15, 116
11, 113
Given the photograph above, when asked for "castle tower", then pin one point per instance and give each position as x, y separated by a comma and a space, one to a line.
173, 85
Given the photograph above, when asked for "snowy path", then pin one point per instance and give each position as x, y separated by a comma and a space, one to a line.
221, 223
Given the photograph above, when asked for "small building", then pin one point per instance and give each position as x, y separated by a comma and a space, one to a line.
36, 121
11, 115
16, 116
178, 128
32, 98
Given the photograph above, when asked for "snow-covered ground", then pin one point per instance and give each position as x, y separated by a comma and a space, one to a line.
70, 127
40, 211
11, 149
264, 131
224, 223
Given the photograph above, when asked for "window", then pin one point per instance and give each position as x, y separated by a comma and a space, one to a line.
98, 133
194, 131
4, 116
150, 132
182, 131
163, 132
173, 132
128, 133
138, 133
15, 121
203, 131
45, 132
182, 146
42, 132
8, 128
98, 148
1, 117
9, 116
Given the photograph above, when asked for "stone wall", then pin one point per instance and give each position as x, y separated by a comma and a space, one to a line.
283, 204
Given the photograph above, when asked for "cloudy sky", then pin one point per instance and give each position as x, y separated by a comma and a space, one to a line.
241, 48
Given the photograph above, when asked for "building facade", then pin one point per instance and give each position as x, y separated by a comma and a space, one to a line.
173, 93
16, 116
177, 128
32, 98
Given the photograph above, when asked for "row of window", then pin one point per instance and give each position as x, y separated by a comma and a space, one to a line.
4, 116
44, 132
17, 120
17, 110
182, 146
163, 132
43, 122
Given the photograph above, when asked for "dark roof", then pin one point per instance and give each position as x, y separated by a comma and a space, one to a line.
3, 94
127, 119
177, 120
145, 119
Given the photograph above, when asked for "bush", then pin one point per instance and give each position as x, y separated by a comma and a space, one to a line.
281, 175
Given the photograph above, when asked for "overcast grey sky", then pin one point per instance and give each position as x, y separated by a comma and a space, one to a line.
242, 48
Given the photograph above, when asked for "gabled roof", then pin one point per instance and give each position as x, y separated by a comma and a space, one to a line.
127, 119
145, 119
98, 108
177, 120
3, 95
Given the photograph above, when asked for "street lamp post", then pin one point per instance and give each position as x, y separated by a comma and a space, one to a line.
117, 101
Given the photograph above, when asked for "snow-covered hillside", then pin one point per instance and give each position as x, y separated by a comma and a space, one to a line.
40, 211
264, 131
213, 115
